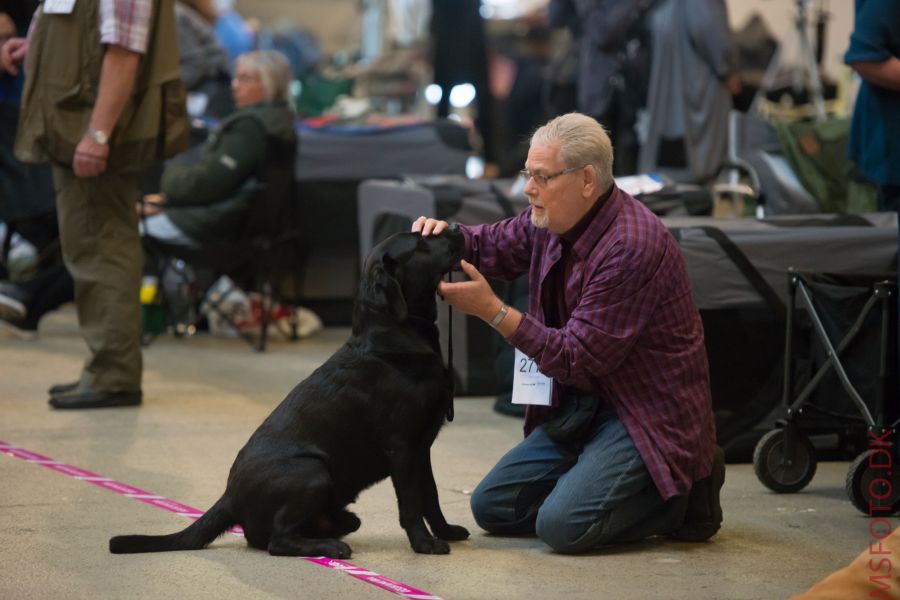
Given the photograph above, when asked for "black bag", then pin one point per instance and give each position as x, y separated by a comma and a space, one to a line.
576, 419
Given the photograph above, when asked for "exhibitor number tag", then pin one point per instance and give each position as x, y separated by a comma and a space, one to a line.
530, 386
58, 7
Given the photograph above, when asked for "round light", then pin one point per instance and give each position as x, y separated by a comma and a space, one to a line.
433, 93
462, 95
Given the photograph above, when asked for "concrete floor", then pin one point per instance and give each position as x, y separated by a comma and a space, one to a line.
203, 398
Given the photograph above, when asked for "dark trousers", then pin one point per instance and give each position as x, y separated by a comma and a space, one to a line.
98, 228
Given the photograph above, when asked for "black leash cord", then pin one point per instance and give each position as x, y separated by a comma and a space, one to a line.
450, 357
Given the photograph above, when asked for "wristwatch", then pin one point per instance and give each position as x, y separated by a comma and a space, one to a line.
101, 137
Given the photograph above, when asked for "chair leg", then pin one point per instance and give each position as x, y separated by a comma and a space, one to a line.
265, 318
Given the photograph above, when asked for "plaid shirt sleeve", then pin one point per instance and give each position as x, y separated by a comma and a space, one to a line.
126, 23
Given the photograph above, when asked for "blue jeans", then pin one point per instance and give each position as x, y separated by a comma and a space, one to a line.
576, 496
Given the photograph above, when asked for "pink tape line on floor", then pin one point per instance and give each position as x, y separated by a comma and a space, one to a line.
134, 493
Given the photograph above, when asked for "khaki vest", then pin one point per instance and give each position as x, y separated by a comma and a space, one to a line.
62, 73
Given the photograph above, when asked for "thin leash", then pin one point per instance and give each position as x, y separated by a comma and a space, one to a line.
450, 357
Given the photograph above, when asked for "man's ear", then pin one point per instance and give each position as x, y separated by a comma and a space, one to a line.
590, 183
384, 293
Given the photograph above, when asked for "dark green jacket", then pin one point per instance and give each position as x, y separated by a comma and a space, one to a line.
209, 200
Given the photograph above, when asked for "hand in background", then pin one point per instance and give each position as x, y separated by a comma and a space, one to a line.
12, 54
152, 204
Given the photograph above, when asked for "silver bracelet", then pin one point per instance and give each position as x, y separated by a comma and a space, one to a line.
501, 314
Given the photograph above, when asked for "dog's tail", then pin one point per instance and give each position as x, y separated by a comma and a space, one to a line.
200, 533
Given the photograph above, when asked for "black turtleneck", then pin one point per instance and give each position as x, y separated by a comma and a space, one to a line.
555, 312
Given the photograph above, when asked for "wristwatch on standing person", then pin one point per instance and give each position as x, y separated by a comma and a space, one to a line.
101, 137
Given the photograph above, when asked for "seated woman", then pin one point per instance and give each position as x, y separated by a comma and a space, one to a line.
208, 201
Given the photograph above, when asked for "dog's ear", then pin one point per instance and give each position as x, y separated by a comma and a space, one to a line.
384, 292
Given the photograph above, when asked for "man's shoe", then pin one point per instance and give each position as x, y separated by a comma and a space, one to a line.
13, 301
63, 388
96, 399
704, 512
21, 330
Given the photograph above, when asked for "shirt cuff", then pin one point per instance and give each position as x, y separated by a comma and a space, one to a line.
529, 336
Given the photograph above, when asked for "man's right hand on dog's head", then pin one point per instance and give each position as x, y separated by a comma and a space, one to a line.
428, 226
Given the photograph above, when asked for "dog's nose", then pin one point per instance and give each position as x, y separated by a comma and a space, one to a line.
453, 228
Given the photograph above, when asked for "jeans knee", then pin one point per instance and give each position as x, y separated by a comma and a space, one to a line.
484, 509
557, 529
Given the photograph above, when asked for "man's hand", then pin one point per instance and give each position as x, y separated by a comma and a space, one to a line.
12, 53
474, 297
90, 157
152, 204
428, 226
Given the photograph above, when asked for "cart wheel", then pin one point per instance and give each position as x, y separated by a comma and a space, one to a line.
875, 491
780, 473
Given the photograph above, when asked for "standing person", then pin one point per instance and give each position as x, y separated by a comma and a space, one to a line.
612, 66
459, 55
205, 67
692, 80
621, 445
875, 130
103, 97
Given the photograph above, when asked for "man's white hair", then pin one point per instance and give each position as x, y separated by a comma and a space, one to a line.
582, 141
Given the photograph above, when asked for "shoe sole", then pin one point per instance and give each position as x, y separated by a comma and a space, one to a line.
59, 403
11, 309
26, 335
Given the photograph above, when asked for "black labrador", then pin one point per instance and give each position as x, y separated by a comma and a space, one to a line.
371, 411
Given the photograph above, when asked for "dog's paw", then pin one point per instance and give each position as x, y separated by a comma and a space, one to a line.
346, 522
431, 546
333, 549
452, 533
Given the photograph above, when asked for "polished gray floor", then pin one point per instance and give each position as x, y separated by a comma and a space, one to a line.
203, 398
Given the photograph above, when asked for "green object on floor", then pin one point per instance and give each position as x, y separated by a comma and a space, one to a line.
154, 317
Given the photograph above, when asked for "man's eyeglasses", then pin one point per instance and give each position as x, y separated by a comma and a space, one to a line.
543, 180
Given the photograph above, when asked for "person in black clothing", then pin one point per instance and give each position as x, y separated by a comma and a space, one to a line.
459, 55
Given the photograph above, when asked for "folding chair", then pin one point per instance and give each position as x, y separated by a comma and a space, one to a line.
853, 391
266, 258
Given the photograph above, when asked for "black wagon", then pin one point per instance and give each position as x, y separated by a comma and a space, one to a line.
840, 379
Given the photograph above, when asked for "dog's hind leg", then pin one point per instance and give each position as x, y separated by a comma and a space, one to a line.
336, 523
307, 503
432, 509
287, 539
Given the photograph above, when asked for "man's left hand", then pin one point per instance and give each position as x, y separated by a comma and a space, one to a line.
90, 158
474, 297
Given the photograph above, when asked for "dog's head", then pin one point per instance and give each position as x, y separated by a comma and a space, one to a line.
401, 274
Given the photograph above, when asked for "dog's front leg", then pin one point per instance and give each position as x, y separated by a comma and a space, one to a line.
432, 508
406, 474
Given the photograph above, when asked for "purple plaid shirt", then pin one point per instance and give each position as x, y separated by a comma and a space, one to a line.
633, 334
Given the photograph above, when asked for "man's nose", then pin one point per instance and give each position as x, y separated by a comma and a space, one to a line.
530, 188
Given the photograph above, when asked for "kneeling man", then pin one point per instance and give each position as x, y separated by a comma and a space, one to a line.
619, 432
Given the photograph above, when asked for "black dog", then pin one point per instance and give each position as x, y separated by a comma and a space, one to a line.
372, 410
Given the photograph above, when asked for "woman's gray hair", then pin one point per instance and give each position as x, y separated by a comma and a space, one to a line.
274, 73
582, 141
